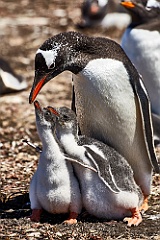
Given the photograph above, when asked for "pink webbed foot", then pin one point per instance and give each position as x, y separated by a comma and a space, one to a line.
36, 214
136, 218
72, 219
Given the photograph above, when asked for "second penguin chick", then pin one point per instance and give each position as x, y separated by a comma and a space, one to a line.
54, 186
109, 193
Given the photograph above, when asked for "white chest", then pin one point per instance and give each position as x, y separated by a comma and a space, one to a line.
105, 100
140, 43
143, 48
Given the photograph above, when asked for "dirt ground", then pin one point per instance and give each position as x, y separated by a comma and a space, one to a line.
24, 25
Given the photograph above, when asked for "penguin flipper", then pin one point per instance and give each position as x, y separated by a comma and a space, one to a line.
80, 163
103, 169
143, 100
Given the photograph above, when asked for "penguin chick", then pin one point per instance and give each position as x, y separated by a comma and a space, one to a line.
54, 186
109, 193
108, 86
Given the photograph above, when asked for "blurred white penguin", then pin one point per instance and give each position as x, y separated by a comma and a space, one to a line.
104, 13
141, 42
9, 80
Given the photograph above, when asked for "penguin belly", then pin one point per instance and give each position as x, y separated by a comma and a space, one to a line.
145, 55
100, 201
53, 191
108, 110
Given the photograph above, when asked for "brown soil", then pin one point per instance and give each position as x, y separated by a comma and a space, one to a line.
24, 25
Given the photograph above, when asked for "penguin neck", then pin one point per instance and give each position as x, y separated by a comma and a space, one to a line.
50, 144
70, 143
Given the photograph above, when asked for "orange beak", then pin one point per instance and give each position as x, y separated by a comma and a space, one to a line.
36, 90
128, 4
37, 105
52, 110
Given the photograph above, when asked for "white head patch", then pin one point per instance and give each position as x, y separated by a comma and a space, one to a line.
153, 3
102, 3
49, 55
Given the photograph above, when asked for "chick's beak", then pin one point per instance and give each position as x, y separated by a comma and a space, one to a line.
37, 105
128, 4
36, 88
53, 111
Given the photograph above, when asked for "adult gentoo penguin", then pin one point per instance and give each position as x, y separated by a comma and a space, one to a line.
109, 193
141, 42
54, 186
109, 97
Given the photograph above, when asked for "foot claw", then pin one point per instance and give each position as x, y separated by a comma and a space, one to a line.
132, 221
72, 218
136, 218
70, 221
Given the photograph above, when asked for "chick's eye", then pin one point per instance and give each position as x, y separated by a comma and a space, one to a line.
47, 114
65, 117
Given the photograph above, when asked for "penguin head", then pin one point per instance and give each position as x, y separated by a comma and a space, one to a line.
68, 51
66, 122
57, 54
44, 119
142, 11
93, 11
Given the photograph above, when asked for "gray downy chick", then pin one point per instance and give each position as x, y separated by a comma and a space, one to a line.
54, 186
109, 193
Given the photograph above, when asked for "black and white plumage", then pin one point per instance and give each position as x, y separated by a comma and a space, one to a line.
141, 42
54, 186
109, 97
103, 13
109, 193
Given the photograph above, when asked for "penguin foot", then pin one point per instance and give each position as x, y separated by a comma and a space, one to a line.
136, 218
144, 207
72, 218
36, 214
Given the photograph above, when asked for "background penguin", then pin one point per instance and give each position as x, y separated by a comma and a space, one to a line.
104, 13
112, 192
109, 97
53, 186
9, 80
141, 42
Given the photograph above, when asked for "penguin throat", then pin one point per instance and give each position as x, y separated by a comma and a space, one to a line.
71, 146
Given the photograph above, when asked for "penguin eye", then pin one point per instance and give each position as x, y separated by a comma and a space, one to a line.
47, 115
65, 117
